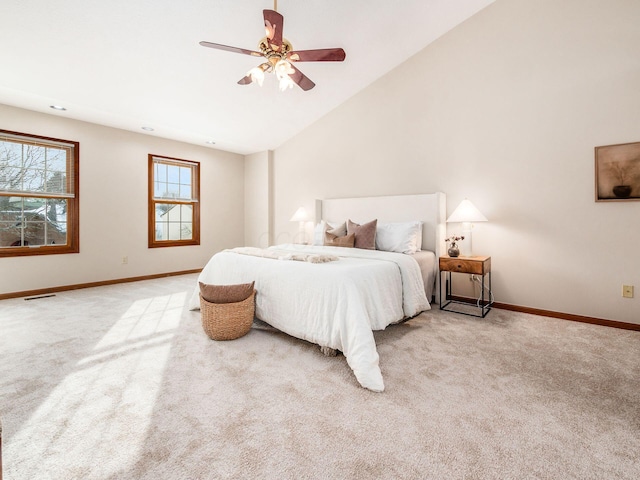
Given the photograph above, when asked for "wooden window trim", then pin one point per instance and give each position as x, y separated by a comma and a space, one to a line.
195, 240
73, 209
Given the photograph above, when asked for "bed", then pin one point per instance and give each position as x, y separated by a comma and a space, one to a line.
339, 303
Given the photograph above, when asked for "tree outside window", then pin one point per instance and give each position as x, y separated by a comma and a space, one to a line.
39, 179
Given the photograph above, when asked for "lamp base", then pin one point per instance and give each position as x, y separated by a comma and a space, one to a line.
465, 245
302, 234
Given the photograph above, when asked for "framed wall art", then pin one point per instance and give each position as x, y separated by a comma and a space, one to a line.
618, 172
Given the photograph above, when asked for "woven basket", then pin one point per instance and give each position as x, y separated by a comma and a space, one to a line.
227, 321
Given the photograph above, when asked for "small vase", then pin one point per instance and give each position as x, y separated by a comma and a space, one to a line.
622, 191
453, 251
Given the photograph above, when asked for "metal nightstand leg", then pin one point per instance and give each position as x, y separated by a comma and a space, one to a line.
484, 305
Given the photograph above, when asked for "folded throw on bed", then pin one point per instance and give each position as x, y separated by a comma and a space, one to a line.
284, 254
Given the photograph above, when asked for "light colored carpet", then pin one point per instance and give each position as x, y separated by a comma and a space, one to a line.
120, 382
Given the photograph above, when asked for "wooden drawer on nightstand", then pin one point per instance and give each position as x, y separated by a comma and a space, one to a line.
473, 265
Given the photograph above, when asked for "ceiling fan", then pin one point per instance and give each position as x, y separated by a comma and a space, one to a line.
280, 56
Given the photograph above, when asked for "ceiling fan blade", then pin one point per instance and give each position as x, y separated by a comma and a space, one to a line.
230, 49
246, 80
320, 55
301, 79
273, 23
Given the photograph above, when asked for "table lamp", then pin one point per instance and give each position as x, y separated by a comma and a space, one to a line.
301, 216
466, 213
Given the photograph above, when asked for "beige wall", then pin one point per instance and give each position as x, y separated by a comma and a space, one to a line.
506, 110
113, 206
257, 199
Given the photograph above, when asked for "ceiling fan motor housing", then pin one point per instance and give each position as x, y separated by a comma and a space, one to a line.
273, 53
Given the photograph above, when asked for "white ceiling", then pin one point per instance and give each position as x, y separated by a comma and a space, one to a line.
134, 63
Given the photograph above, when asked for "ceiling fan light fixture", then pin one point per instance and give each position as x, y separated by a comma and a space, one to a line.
283, 69
257, 75
285, 83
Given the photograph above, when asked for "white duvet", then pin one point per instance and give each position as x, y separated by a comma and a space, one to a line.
336, 304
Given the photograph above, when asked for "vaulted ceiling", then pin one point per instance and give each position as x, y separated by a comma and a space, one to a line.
137, 63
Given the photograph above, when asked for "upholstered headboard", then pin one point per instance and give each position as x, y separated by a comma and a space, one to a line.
430, 208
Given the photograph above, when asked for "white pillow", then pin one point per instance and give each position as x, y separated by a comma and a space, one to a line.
339, 230
318, 234
403, 237
419, 246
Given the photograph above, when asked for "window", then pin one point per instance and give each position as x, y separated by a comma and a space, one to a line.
174, 208
39, 206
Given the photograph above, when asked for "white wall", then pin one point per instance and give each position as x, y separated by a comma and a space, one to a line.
257, 199
113, 206
506, 110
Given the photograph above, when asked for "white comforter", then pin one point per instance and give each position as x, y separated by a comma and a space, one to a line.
335, 304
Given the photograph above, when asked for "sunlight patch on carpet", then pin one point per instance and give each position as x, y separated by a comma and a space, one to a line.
145, 318
109, 399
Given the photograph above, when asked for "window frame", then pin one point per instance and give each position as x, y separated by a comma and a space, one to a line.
194, 202
73, 206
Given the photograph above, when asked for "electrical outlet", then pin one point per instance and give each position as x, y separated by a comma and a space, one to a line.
627, 291
125, 260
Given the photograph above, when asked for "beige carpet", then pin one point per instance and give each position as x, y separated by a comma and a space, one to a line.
120, 382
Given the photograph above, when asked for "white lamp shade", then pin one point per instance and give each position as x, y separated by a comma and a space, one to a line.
466, 212
300, 215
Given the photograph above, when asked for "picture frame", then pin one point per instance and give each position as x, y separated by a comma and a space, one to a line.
617, 172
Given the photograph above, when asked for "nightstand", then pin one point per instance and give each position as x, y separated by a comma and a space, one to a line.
480, 266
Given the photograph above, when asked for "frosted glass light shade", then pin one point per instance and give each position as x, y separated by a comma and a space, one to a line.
466, 212
257, 75
300, 215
